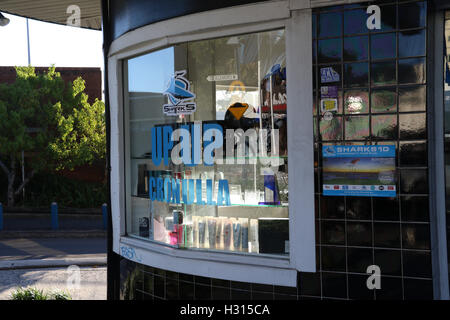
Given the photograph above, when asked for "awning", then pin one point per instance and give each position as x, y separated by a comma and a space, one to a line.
56, 10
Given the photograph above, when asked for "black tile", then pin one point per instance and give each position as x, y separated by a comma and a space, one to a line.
359, 208
240, 285
417, 264
358, 259
415, 209
389, 261
202, 292
391, 289
221, 293
359, 234
186, 290
357, 288
159, 287
385, 209
148, 283
159, 272
334, 285
285, 290
412, 43
256, 295
412, 15
309, 283
333, 259
416, 236
262, 287
356, 48
333, 232
186, 277
220, 283
172, 289
202, 280
383, 73
386, 234
388, 18
418, 289
285, 297
330, 24
330, 50
139, 295
148, 297
171, 275
355, 21
240, 295
332, 207
413, 126
412, 71
356, 74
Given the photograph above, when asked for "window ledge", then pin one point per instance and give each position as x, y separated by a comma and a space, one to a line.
228, 265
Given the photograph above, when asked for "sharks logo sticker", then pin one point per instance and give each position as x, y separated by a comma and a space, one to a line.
179, 95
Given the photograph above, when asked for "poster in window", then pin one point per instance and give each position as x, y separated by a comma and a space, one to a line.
359, 171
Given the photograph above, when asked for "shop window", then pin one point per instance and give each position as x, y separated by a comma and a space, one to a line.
206, 145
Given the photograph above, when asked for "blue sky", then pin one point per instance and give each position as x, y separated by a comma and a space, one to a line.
151, 72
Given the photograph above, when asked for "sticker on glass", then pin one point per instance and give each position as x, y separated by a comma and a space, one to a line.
329, 75
179, 95
328, 105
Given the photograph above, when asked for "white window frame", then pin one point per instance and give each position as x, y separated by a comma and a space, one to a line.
256, 17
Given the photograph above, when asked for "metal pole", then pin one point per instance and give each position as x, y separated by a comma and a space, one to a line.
28, 43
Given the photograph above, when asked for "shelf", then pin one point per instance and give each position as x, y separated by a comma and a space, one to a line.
283, 205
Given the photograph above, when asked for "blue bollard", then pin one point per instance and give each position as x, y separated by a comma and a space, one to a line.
54, 215
105, 215
1, 216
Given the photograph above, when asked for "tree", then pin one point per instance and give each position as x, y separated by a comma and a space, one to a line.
50, 121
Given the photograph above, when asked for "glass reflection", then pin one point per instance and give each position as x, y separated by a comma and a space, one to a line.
356, 101
356, 127
413, 126
330, 50
388, 19
412, 98
356, 74
383, 73
331, 129
411, 71
355, 21
330, 24
412, 15
384, 126
383, 46
384, 100
356, 48
411, 43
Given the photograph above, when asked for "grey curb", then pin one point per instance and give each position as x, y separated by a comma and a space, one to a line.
52, 263
52, 234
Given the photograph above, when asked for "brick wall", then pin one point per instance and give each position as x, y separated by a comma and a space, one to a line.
92, 77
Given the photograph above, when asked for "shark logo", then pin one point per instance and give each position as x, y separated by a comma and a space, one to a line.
179, 95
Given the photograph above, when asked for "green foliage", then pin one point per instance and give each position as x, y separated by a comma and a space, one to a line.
37, 294
45, 188
60, 295
54, 122
29, 294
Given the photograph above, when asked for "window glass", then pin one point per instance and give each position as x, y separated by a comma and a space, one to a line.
206, 161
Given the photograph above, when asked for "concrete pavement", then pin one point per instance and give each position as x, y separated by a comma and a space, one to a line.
92, 284
48, 264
